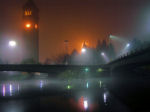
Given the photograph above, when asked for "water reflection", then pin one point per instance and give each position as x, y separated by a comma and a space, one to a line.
4, 89
87, 85
84, 99
100, 84
41, 84
9, 89
105, 98
81, 103
13, 88
18, 87
85, 104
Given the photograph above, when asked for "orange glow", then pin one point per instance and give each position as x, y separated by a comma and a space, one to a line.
86, 43
28, 13
83, 44
25, 13
28, 25
80, 102
36, 26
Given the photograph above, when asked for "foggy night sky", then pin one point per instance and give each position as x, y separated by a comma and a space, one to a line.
77, 21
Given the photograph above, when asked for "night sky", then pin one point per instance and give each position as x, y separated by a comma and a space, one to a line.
77, 21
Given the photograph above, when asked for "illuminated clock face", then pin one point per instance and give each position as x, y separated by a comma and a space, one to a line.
28, 25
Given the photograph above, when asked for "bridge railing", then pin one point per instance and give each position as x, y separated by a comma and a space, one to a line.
131, 54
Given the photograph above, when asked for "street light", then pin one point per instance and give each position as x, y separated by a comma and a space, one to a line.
119, 39
12, 43
125, 49
104, 56
102, 53
83, 50
111, 36
127, 45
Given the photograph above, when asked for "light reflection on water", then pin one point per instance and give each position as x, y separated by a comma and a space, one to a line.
18, 87
13, 87
4, 89
105, 98
41, 84
84, 102
9, 89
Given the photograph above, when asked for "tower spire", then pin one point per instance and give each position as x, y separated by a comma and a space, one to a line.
84, 44
31, 31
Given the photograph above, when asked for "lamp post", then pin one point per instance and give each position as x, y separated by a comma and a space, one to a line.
12, 55
127, 45
105, 57
12, 43
83, 50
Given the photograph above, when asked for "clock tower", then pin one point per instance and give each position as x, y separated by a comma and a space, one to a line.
31, 31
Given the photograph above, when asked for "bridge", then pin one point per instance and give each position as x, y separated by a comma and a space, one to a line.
129, 61
49, 68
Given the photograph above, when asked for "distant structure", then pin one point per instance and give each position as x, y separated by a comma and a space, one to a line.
31, 31
66, 45
84, 45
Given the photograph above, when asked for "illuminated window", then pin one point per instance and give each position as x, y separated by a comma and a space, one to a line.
36, 26
28, 13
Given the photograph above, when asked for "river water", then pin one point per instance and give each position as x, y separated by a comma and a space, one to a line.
50, 95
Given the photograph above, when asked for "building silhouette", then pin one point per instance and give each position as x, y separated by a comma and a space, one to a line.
31, 31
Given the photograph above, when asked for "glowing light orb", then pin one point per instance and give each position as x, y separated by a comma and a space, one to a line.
28, 25
12, 43
86, 69
111, 36
102, 53
128, 45
68, 87
99, 70
83, 50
